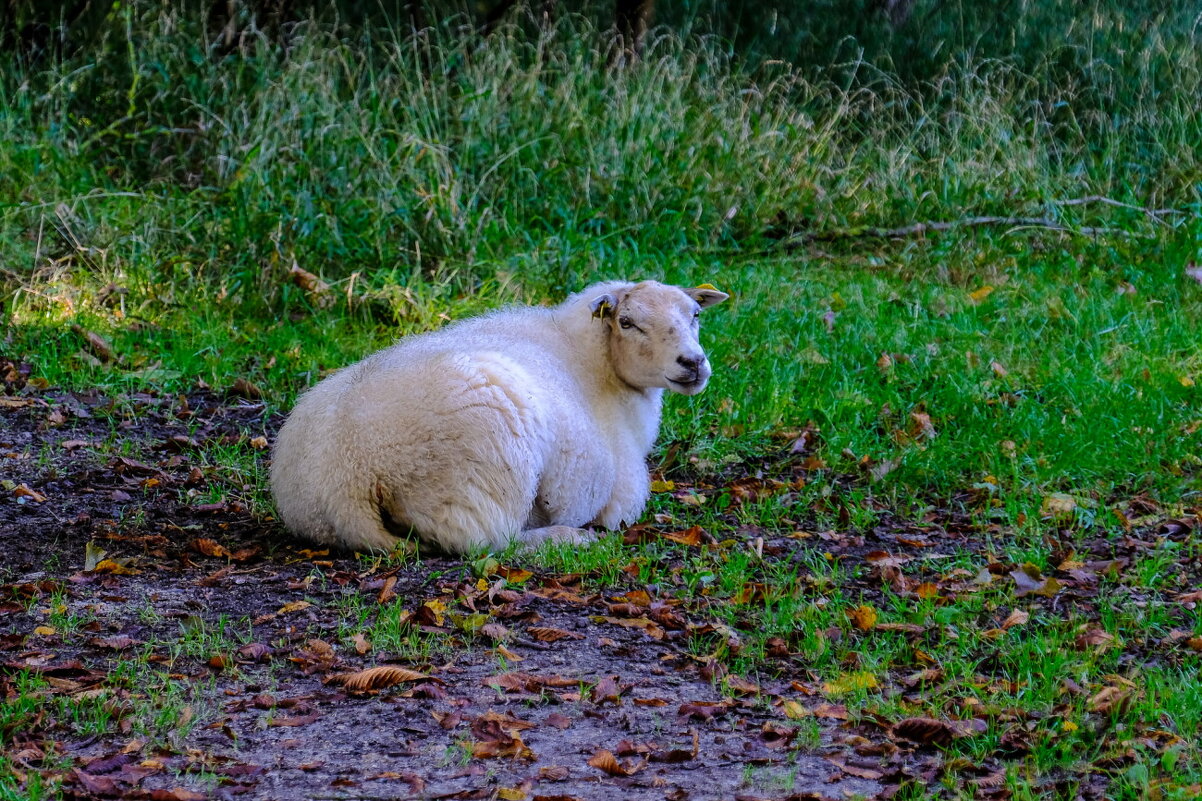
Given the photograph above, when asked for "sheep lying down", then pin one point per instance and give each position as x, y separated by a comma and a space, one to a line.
525, 424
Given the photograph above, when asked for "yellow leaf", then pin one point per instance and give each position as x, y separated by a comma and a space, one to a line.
980, 294
511, 794
663, 486
1186, 381
1058, 503
438, 608
850, 682
114, 566
92, 554
795, 711
1068, 725
45, 631
927, 590
863, 617
293, 606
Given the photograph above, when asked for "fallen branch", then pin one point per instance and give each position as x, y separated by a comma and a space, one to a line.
1155, 214
919, 229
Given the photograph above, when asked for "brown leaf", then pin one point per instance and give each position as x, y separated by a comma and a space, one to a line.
255, 651
23, 491
120, 642
177, 794
387, 593
307, 280
1028, 581
741, 686
209, 547
605, 761
380, 677
924, 731
99, 346
608, 691
921, 426
295, 720
548, 634
528, 682
703, 710
1109, 699
653, 630
1017, 617
559, 721
1094, 638
692, 537
243, 388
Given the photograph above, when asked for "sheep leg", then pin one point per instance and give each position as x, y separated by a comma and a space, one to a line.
533, 537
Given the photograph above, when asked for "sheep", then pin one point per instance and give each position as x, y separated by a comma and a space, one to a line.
525, 424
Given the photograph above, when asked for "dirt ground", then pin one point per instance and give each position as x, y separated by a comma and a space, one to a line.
564, 693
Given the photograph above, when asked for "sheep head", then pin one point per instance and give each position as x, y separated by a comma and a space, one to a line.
653, 334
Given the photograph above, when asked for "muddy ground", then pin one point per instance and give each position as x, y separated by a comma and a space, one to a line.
539, 688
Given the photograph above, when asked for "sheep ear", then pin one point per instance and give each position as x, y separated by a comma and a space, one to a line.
705, 295
603, 306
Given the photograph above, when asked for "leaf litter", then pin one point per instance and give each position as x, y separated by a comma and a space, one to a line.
608, 701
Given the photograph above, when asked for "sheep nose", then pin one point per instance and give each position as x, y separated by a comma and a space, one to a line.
690, 363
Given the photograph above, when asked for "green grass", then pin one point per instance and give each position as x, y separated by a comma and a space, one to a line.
157, 193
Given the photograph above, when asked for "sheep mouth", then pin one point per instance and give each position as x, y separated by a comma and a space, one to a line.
688, 385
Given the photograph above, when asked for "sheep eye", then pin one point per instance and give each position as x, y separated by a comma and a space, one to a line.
625, 322
697, 315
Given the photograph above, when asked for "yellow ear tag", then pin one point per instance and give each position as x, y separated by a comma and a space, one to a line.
707, 286
600, 311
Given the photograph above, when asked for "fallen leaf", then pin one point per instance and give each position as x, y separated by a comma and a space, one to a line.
924, 731
690, 536
605, 761
1028, 581
1058, 503
979, 295
1017, 617
1109, 698
293, 606
101, 347
378, 678
245, 389
209, 547
23, 491
307, 280
863, 617
548, 634
116, 567
794, 710
741, 686
850, 682
927, 590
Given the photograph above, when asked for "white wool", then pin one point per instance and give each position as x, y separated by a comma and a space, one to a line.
527, 423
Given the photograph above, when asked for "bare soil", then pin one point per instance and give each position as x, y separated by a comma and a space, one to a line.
524, 709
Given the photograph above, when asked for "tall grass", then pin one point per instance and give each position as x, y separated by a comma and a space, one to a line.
441, 148
159, 190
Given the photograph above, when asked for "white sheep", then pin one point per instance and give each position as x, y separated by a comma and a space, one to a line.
524, 424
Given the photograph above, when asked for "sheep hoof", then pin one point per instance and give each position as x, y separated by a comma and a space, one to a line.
557, 534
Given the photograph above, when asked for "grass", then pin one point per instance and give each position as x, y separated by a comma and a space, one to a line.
158, 194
